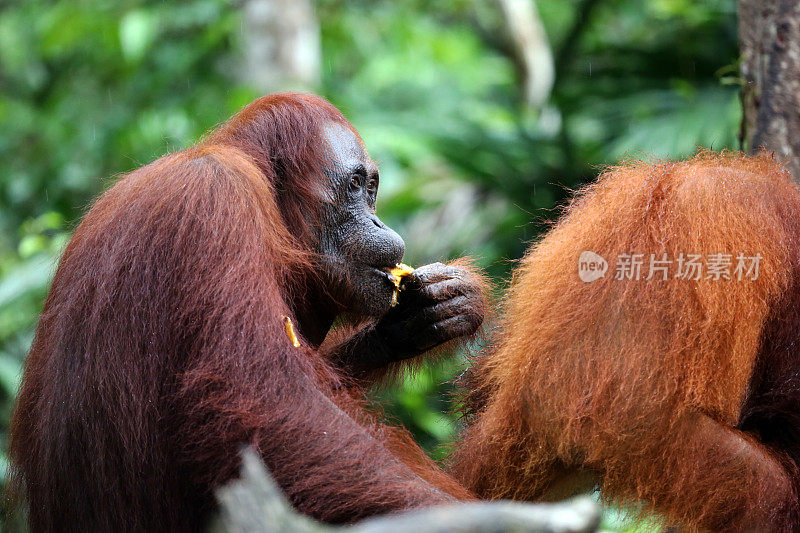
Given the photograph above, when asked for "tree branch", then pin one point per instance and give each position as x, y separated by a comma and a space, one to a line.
254, 504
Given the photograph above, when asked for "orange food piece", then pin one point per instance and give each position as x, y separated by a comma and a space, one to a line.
398, 273
287, 324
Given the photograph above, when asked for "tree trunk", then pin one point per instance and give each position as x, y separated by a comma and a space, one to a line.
281, 45
769, 36
529, 41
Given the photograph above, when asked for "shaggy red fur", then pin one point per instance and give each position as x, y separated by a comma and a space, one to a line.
161, 349
681, 395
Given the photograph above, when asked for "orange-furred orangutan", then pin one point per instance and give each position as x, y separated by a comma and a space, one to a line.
187, 318
670, 375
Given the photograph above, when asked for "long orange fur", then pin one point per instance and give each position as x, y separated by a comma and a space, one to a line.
680, 397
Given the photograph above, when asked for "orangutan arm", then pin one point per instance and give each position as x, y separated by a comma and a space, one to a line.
729, 481
330, 465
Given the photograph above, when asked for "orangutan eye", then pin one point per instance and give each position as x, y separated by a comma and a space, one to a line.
355, 182
372, 185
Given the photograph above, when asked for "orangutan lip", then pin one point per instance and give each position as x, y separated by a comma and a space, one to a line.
382, 272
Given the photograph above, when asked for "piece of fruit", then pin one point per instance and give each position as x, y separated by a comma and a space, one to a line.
398, 273
287, 324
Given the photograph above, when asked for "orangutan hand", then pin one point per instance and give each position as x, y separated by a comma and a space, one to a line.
438, 303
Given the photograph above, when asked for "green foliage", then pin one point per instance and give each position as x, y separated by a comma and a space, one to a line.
90, 89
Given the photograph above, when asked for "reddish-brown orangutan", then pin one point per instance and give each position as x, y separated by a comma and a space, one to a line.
677, 387
162, 345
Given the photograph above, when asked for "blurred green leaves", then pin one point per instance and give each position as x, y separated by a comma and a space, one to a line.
137, 29
91, 89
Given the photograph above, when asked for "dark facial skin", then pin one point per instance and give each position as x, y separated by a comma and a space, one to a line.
356, 248
440, 303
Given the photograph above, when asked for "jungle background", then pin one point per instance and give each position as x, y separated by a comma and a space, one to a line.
481, 128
